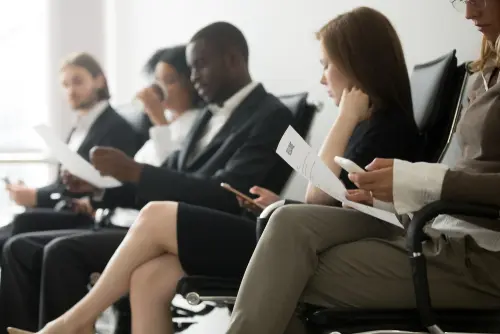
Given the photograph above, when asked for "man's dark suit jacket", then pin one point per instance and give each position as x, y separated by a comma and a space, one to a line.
109, 129
241, 154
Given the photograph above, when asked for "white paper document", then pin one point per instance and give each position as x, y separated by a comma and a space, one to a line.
72, 161
301, 157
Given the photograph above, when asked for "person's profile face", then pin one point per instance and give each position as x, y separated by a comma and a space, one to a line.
486, 17
208, 72
80, 87
178, 95
332, 78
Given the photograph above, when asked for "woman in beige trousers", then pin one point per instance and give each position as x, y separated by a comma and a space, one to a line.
341, 258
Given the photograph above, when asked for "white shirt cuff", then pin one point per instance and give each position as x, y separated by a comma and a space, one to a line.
416, 184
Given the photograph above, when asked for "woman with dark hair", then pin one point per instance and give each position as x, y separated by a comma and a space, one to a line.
172, 116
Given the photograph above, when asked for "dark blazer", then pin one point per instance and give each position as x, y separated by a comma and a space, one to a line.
241, 154
109, 129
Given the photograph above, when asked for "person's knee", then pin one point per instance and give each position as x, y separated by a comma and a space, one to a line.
12, 247
154, 281
56, 252
156, 214
288, 219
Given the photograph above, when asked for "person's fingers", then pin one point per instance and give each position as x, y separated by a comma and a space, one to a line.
360, 197
102, 151
379, 163
356, 196
256, 190
364, 179
260, 200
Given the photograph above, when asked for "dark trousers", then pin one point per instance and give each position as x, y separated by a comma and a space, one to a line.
41, 278
43, 219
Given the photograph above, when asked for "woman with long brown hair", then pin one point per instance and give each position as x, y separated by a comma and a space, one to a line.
343, 259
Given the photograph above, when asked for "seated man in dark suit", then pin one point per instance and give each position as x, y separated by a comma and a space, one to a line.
234, 141
97, 124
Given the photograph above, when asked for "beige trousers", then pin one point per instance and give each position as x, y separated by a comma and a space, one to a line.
341, 258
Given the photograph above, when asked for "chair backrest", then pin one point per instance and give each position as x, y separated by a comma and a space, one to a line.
303, 114
452, 152
436, 87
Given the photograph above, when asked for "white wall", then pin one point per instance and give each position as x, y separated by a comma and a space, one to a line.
74, 26
283, 51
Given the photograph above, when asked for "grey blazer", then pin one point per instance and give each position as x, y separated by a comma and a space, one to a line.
476, 177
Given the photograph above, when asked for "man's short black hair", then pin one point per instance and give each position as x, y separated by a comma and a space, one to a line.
224, 35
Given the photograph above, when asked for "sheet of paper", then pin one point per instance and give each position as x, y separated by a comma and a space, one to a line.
301, 157
72, 161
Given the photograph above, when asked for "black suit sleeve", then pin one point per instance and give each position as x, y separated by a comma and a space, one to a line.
247, 167
124, 196
122, 137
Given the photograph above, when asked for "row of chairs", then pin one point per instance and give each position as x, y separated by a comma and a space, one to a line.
438, 89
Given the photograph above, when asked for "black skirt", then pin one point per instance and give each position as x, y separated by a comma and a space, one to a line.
214, 243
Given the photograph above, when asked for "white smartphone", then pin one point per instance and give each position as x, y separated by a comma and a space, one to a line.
348, 165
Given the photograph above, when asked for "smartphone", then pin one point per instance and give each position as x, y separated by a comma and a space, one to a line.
241, 195
348, 165
6, 180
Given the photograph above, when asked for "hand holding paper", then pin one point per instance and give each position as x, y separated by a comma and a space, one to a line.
112, 162
379, 180
300, 156
73, 162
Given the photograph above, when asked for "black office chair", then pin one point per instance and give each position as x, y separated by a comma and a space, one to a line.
436, 90
303, 115
431, 115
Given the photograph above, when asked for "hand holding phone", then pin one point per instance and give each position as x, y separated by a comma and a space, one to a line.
348, 165
242, 197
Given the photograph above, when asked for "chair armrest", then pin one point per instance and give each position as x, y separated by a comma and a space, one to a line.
414, 238
268, 211
414, 234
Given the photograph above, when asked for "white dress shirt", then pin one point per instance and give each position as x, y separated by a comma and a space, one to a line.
220, 117
83, 124
418, 184
165, 139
